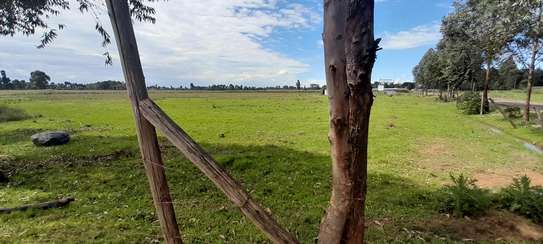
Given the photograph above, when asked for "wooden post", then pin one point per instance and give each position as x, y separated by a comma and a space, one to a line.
137, 91
230, 187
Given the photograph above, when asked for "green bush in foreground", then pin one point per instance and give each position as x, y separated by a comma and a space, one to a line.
12, 114
469, 103
464, 198
522, 198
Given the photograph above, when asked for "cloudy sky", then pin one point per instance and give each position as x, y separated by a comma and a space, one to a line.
250, 42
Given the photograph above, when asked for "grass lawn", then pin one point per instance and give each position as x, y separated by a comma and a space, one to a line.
519, 95
274, 143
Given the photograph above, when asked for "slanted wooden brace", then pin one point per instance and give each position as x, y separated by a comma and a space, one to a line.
148, 116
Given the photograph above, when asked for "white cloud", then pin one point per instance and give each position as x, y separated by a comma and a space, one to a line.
205, 40
415, 37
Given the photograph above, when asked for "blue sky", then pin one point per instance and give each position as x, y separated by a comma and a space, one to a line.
412, 24
251, 42
404, 17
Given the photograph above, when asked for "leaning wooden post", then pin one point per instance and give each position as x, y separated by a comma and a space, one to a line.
230, 187
137, 91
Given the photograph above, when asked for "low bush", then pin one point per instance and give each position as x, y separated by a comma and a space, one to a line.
464, 198
469, 103
523, 199
12, 114
513, 112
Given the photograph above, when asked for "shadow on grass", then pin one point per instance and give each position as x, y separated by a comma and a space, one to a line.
12, 114
294, 185
16, 136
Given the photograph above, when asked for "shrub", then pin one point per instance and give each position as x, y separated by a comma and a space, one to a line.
12, 114
464, 198
522, 198
512, 112
469, 102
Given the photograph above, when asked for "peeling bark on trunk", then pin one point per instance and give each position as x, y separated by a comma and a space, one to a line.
350, 51
530, 81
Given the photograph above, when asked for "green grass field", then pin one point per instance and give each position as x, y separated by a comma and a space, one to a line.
519, 95
274, 143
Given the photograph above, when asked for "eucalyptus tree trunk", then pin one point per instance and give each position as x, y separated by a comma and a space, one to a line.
350, 51
449, 94
531, 70
485, 106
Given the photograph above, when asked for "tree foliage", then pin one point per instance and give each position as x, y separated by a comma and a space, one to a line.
528, 16
509, 76
31, 16
527, 43
483, 43
39, 80
428, 72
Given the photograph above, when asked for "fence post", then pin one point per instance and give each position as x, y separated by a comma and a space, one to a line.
137, 91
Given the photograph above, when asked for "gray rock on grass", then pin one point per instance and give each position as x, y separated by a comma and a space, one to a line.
50, 138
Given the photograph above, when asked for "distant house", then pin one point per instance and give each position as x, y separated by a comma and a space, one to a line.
382, 84
314, 86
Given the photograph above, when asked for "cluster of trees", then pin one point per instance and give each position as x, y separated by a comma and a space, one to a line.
486, 45
37, 80
100, 85
40, 80
406, 85
223, 87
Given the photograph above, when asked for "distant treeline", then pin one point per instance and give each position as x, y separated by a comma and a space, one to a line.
406, 85
223, 87
40, 80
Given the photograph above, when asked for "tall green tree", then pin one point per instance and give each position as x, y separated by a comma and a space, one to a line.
428, 73
528, 43
461, 59
509, 75
39, 80
487, 25
4, 80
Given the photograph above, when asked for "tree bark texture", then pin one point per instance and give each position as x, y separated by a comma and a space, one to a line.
350, 52
121, 22
531, 70
485, 106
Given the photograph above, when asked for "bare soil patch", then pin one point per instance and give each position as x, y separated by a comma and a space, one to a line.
438, 156
504, 178
495, 226
442, 156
